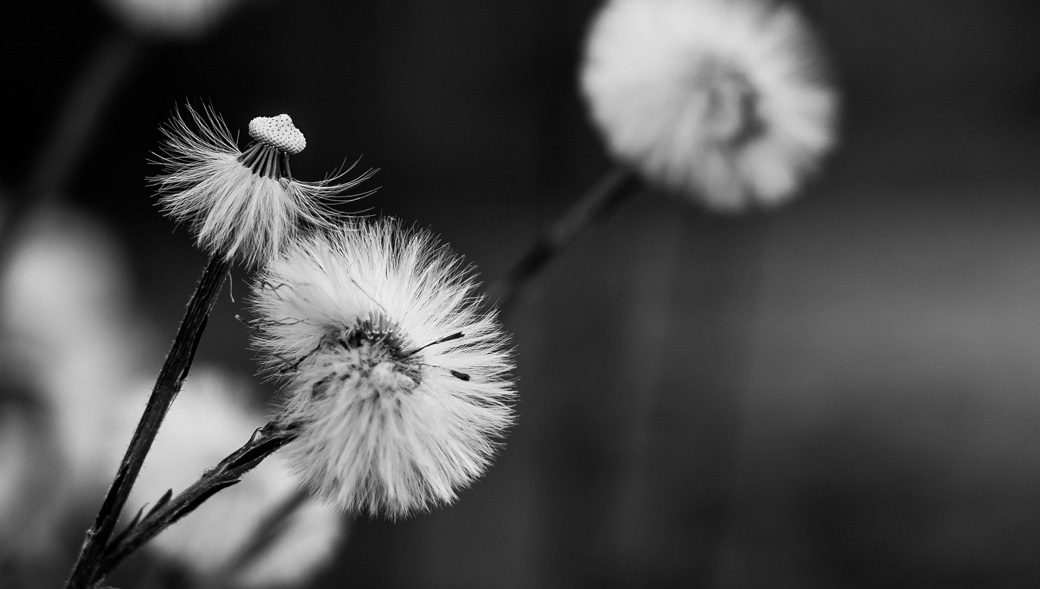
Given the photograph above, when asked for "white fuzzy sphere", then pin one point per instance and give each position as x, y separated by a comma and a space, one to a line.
721, 100
394, 376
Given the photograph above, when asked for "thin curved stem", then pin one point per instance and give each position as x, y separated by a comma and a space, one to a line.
167, 385
167, 511
597, 204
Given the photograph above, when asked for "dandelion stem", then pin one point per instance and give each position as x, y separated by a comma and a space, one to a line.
174, 370
596, 205
227, 473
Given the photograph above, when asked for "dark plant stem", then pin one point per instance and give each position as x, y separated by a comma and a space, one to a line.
167, 385
168, 511
596, 205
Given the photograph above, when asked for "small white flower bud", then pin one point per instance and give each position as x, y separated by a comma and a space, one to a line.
278, 132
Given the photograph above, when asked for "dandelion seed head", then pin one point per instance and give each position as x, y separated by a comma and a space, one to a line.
724, 101
393, 376
242, 205
278, 132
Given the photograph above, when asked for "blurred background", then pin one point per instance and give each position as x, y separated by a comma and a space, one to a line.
839, 393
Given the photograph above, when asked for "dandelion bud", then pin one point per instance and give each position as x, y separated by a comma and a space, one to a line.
241, 204
393, 376
723, 100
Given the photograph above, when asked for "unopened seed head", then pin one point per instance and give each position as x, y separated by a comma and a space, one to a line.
279, 132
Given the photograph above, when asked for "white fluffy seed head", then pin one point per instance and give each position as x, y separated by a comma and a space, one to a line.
722, 100
279, 132
235, 206
211, 419
394, 377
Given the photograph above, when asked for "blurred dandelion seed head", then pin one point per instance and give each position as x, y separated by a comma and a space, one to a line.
730, 104
170, 18
242, 204
394, 377
70, 329
722, 101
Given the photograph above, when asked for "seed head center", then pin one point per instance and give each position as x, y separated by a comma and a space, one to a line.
373, 350
731, 103
278, 132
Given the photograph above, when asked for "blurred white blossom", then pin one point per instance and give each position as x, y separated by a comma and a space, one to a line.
170, 18
69, 343
70, 330
723, 100
394, 377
